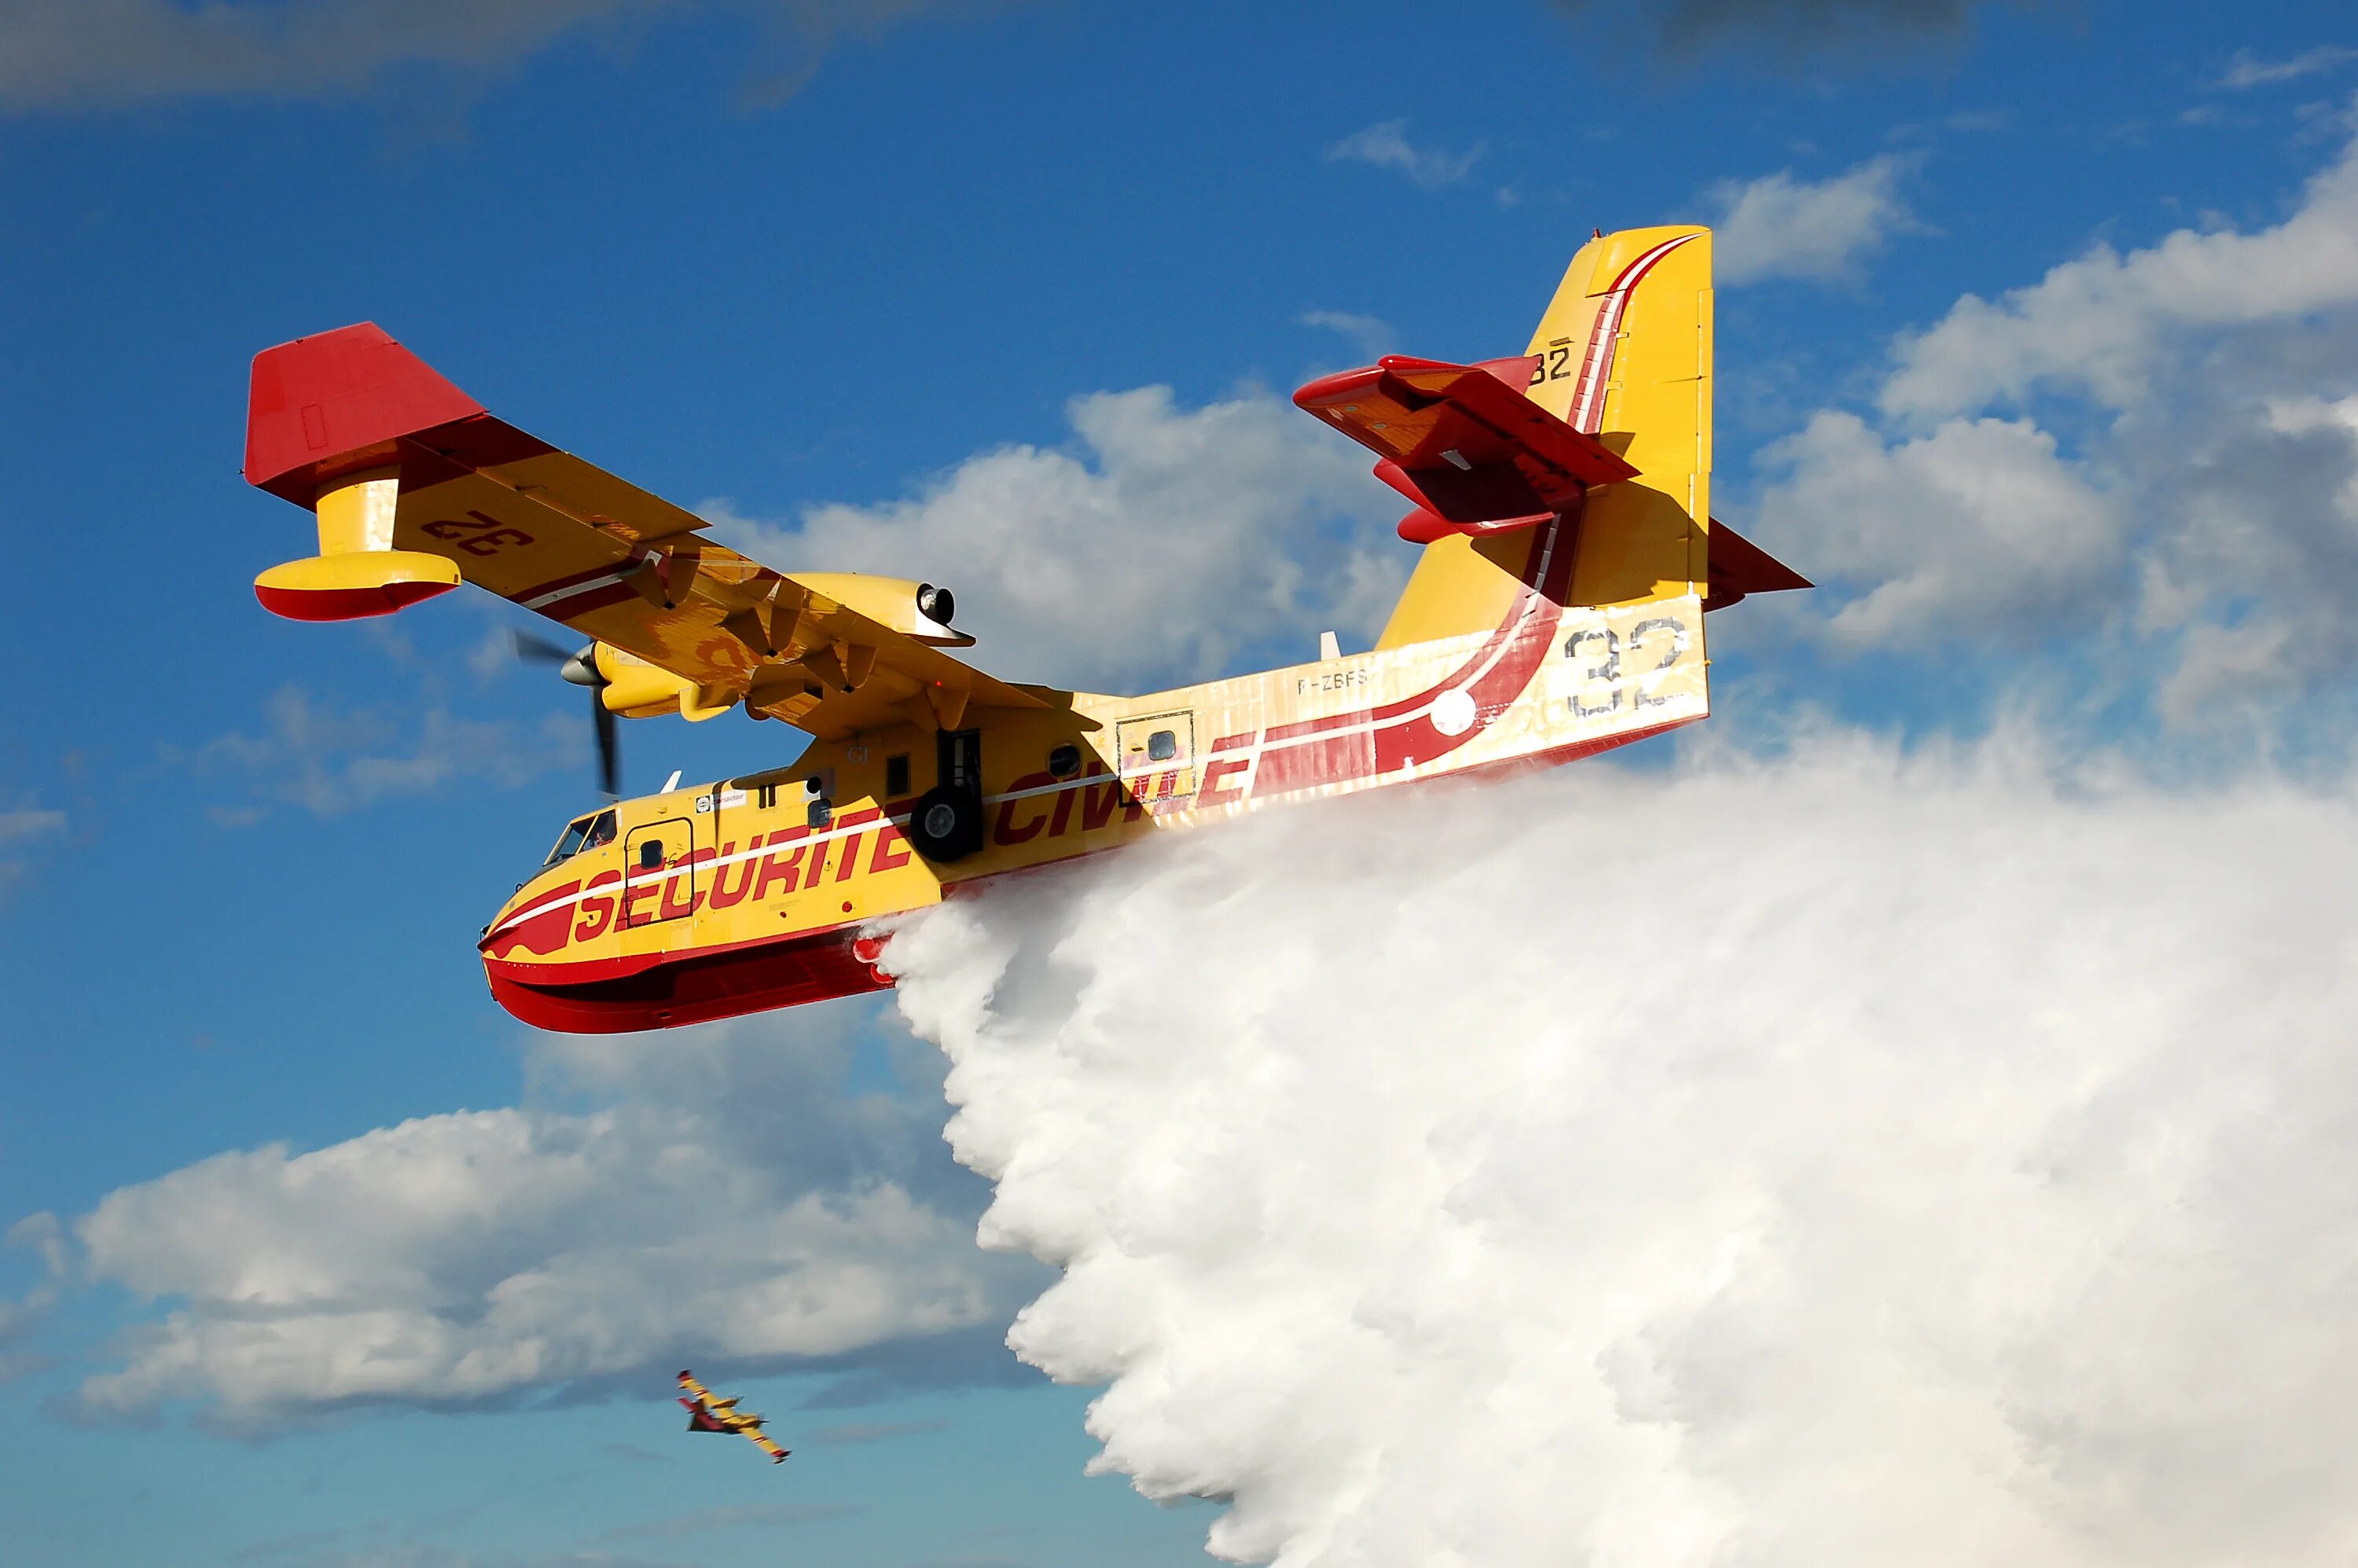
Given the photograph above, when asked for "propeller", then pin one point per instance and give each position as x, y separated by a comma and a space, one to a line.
579, 667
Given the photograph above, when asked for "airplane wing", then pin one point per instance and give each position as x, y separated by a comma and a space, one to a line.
352, 425
761, 1440
696, 1390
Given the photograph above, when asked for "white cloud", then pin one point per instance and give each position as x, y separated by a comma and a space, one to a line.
2300, 415
1835, 1159
2249, 70
2254, 517
1372, 336
104, 52
2102, 323
1778, 226
334, 760
21, 826
27, 822
1979, 524
20, 1318
1170, 539
2198, 549
730, 1202
2215, 664
2191, 542
1387, 146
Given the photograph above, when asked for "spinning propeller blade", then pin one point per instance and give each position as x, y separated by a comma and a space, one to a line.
579, 667
535, 649
610, 766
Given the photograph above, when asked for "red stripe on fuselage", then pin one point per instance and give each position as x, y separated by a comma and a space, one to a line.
1401, 733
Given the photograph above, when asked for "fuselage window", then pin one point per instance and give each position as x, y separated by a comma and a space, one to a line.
1161, 746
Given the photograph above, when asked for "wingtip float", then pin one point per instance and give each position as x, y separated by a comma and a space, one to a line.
1561, 499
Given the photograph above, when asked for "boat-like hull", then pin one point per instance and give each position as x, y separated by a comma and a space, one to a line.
725, 981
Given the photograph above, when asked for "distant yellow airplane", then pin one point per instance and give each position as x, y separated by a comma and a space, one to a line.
1561, 499
706, 1412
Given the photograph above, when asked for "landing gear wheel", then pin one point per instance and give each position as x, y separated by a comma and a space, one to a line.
947, 825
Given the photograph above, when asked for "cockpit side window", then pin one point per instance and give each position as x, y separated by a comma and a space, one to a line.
601, 832
569, 844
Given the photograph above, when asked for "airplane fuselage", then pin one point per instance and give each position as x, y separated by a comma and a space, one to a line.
749, 893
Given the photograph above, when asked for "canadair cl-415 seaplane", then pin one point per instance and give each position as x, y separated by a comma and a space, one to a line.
708, 1412
1560, 499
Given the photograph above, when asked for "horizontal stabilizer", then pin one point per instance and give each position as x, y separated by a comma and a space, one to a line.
1423, 527
1463, 442
1739, 567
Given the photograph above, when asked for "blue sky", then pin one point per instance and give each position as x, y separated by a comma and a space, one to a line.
859, 278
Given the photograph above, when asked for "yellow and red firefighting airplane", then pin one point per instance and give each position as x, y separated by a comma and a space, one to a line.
1562, 502
707, 1413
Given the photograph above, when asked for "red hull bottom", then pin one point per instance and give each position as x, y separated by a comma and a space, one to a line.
697, 989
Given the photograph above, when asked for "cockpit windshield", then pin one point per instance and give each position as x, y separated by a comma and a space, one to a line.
583, 833
570, 845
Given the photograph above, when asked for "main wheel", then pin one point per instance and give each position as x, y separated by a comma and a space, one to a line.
947, 825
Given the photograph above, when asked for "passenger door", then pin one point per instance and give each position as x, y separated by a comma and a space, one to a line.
661, 877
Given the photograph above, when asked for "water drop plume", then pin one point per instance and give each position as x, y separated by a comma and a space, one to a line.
1842, 1157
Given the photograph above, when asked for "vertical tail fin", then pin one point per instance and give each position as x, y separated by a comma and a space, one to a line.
1624, 355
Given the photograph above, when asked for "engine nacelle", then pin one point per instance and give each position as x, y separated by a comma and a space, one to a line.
635, 688
920, 610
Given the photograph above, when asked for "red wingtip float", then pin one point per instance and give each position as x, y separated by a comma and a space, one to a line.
1561, 504
326, 420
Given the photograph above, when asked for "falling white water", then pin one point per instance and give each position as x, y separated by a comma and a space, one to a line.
1834, 1160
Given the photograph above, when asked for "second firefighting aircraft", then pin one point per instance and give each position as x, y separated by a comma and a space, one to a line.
707, 1411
